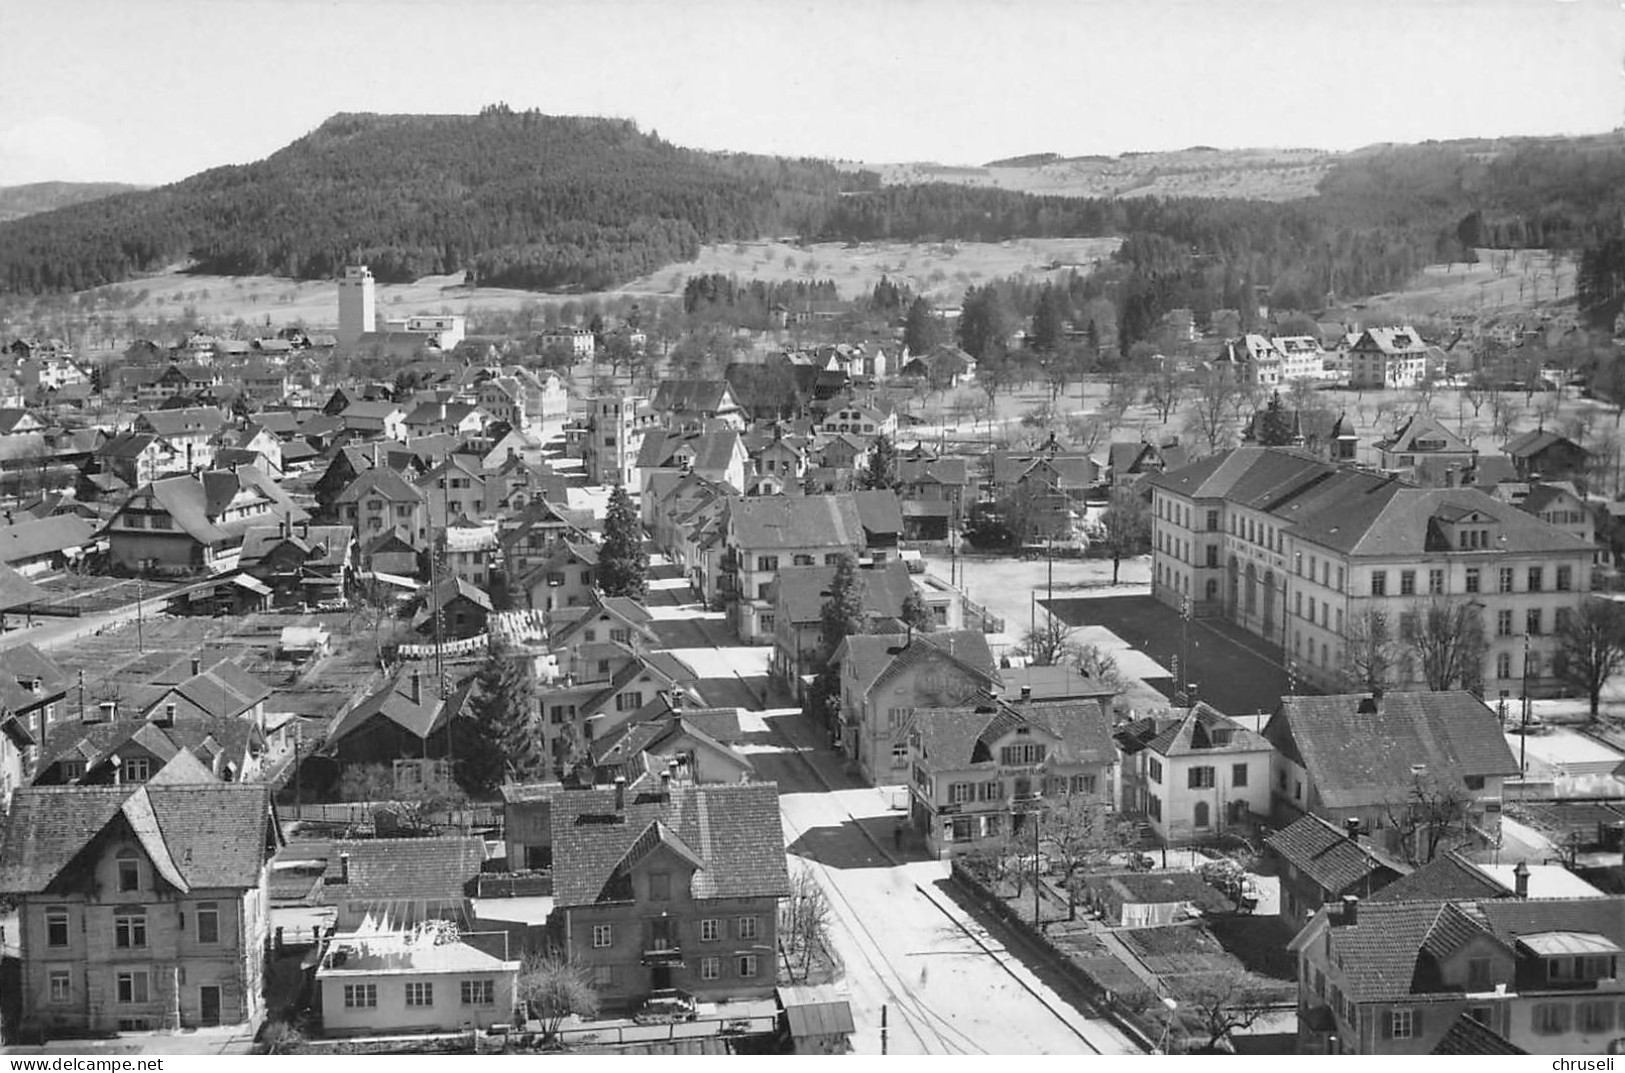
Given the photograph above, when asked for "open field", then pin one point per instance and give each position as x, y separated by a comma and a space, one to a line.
1263, 174
944, 269
1502, 281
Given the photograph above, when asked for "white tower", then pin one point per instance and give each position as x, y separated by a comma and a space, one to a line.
358, 305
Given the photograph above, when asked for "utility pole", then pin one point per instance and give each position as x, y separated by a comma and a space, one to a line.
140, 594
1523, 738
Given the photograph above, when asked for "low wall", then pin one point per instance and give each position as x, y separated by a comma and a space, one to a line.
1119, 1009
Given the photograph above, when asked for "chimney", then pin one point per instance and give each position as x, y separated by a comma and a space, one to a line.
1520, 879
1351, 910
304, 529
1026, 692
1352, 826
344, 868
1369, 705
197, 666
286, 530
620, 793
417, 687
104, 712
168, 718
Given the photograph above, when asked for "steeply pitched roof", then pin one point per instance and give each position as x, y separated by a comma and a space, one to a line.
381, 481
1332, 860
881, 655
1357, 758
1468, 1037
393, 701
733, 830
1446, 876
692, 396
198, 836
402, 869
953, 737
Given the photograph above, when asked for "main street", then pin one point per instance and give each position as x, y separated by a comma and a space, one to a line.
945, 983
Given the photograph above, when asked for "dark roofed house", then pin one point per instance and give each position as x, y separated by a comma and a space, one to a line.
186, 524
1544, 455
140, 908
1319, 864
393, 884
673, 887
1355, 756
883, 676
798, 598
1397, 977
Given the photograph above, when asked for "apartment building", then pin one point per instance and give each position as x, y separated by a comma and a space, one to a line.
1298, 552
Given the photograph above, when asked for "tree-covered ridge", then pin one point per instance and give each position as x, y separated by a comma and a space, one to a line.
528, 200
521, 199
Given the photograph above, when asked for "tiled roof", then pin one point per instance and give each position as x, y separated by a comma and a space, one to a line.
881, 654
801, 590
1446, 876
1359, 758
381, 481
393, 701
953, 737
733, 829
1424, 427
401, 869
1204, 730
1468, 1037
198, 836
697, 396
1332, 860
1535, 441
769, 522
878, 512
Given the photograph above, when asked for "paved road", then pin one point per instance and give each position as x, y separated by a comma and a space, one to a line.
948, 986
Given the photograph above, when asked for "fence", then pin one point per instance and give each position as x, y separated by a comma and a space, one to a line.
360, 814
467, 647
976, 616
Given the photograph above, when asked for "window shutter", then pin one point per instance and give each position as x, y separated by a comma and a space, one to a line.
1416, 1023
1387, 1022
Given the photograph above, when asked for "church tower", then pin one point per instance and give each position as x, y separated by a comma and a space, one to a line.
358, 305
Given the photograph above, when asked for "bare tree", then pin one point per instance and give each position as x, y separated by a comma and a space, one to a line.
1082, 835
1093, 661
1590, 647
1120, 396
1164, 387
1049, 643
1216, 1005
1371, 651
803, 920
1125, 527
552, 988
1447, 637
1213, 415
1086, 434
1432, 816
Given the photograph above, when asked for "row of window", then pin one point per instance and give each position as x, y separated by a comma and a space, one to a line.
130, 926
711, 929
131, 987
964, 793
1200, 777
1534, 578
421, 993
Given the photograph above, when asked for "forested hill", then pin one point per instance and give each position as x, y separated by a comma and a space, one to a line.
528, 200
29, 198
521, 198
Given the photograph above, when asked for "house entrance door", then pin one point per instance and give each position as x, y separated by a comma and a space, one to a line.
209, 1003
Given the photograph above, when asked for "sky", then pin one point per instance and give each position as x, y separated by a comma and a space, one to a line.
151, 91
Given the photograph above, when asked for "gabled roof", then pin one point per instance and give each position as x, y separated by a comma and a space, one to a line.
1468, 1037
1533, 442
1446, 876
958, 737
402, 869
198, 836
45, 536
223, 691
802, 589
877, 657
1331, 859
731, 830
1199, 731
692, 396
381, 481
1419, 428
879, 512
191, 421
1358, 758
393, 702
768, 522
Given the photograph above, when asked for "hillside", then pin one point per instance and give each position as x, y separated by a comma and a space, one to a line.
567, 204
30, 198
521, 199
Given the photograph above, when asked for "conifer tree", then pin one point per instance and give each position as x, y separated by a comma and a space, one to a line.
500, 739
844, 612
623, 565
881, 471
916, 612
1275, 430
921, 329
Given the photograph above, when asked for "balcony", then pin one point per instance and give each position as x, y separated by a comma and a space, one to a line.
663, 955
